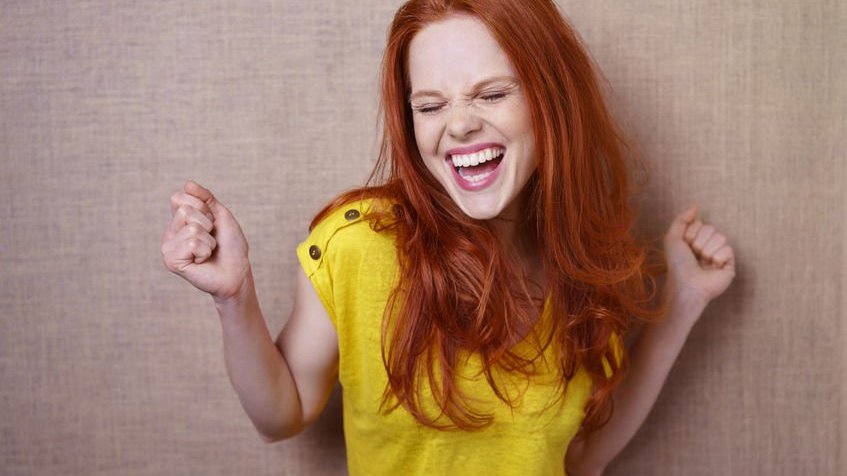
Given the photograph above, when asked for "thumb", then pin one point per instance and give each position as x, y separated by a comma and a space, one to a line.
227, 230
681, 222
197, 190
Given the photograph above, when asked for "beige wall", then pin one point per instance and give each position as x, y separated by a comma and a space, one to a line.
110, 365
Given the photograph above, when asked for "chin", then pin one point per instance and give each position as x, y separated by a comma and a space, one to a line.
479, 211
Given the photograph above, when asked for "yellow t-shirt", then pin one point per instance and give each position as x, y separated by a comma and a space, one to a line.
354, 269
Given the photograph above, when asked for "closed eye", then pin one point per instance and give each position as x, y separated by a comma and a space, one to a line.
492, 97
428, 108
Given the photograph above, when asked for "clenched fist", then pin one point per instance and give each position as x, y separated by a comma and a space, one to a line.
204, 244
701, 263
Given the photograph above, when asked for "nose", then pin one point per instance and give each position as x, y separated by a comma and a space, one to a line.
462, 121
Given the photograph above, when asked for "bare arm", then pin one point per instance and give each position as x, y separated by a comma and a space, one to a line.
309, 344
652, 358
282, 387
701, 266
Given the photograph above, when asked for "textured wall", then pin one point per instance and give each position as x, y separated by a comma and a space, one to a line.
110, 365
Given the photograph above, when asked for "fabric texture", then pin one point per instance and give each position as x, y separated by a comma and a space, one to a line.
354, 269
111, 365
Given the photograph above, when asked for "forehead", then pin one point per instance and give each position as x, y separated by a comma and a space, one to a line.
454, 54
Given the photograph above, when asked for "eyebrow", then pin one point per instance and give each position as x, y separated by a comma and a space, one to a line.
476, 87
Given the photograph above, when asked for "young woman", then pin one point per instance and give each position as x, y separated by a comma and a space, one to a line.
472, 299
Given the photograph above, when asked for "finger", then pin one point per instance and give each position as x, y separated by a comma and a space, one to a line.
195, 189
724, 256
190, 232
681, 221
186, 214
703, 236
691, 231
188, 252
182, 198
714, 244
201, 251
220, 213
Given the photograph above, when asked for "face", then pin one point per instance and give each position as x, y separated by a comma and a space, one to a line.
471, 120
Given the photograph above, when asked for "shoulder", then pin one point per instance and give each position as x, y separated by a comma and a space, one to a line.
346, 258
345, 236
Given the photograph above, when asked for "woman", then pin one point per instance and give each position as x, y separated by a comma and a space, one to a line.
470, 300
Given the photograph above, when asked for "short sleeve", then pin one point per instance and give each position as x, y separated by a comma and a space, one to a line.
318, 253
350, 265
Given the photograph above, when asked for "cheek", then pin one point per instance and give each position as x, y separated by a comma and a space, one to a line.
426, 138
523, 123
426, 143
531, 164
521, 126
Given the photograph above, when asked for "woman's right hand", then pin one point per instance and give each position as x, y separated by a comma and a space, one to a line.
204, 244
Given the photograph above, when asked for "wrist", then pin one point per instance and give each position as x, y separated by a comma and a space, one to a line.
679, 291
688, 298
238, 297
685, 306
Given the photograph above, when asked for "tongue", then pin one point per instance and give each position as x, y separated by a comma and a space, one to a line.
482, 168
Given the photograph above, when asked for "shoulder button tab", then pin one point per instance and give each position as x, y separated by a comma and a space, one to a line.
314, 252
352, 214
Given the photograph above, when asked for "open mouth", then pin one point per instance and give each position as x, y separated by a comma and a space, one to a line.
477, 169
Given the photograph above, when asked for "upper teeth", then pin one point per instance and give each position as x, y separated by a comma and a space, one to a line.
477, 157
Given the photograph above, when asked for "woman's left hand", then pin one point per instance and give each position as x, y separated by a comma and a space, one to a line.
701, 264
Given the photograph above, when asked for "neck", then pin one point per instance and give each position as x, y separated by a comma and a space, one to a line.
510, 228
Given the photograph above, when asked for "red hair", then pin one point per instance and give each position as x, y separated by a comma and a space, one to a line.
463, 298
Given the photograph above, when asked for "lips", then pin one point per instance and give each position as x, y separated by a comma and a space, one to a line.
476, 167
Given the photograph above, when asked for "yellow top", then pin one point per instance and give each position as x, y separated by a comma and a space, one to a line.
353, 269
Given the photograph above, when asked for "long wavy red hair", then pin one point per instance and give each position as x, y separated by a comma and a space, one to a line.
457, 291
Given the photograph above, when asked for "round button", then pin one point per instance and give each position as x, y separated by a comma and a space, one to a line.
314, 252
351, 214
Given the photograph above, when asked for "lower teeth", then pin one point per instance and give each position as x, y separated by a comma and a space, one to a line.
473, 178
464, 172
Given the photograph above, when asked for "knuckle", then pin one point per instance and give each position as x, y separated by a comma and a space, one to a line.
692, 230
175, 198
